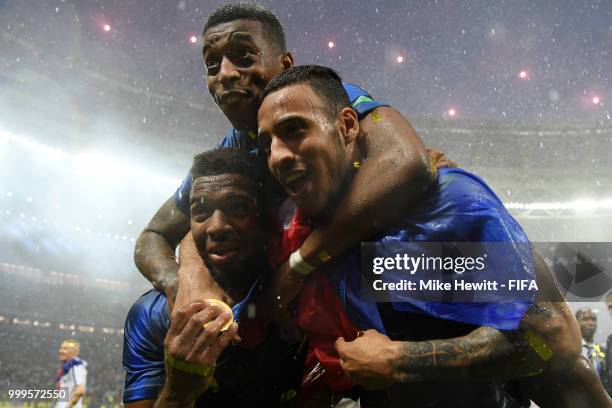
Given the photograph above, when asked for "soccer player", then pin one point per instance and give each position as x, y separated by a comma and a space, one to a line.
244, 48
426, 353
264, 369
72, 374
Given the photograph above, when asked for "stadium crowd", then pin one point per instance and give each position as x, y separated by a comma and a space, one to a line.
33, 323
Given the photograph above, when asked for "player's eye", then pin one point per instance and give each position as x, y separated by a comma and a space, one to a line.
239, 209
212, 66
294, 131
264, 143
200, 212
244, 57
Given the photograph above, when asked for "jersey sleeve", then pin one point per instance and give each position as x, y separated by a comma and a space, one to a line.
361, 101
181, 195
146, 326
80, 375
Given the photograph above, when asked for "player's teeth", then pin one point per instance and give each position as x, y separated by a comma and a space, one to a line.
293, 177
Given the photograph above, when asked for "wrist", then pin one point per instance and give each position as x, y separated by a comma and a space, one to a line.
181, 388
313, 251
393, 357
172, 396
299, 266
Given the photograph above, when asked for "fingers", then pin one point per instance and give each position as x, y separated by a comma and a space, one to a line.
340, 345
210, 355
181, 316
236, 337
208, 336
196, 324
345, 369
197, 327
435, 154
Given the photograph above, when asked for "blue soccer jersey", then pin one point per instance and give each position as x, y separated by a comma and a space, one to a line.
458, 207
360, 100
267, 373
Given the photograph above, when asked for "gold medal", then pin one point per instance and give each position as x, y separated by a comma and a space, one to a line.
225, 308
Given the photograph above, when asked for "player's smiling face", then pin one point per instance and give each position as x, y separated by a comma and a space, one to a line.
305, 149
225, 223
239, 64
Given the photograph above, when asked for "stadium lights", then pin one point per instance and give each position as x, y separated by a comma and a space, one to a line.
91, 163
104, 166
578, 205
62, 326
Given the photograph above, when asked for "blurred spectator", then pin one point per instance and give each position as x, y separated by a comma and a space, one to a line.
587, 320
72, 375
34, 320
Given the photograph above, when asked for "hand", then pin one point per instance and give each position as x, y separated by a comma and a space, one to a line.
367, 359
188, 340
439, 159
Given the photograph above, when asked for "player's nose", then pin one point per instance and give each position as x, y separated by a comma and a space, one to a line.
281, 157
228, 72
219, 230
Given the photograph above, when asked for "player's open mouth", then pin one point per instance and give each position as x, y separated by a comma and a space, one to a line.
296, 182
221, 256
231, 97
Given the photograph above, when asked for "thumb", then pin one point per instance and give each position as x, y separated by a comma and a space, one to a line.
339, 344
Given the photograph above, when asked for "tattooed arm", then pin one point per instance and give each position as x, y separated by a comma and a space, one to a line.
547, 340
375, 361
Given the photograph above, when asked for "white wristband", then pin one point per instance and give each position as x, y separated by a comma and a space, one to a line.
299, 265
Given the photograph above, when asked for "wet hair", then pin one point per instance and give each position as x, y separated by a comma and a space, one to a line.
228, 161
271, 26
582, 310
325, 83
74, 344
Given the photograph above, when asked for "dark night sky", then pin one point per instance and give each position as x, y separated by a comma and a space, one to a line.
465, 55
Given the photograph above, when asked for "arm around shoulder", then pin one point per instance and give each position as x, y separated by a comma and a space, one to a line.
154, 252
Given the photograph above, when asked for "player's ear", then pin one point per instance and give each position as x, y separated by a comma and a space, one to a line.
287, 60
349, 125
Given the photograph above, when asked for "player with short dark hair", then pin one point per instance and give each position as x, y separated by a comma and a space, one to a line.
325, 82
273, 29
416, 348
174, 362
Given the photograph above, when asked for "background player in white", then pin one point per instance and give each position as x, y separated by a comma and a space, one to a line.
72, 374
